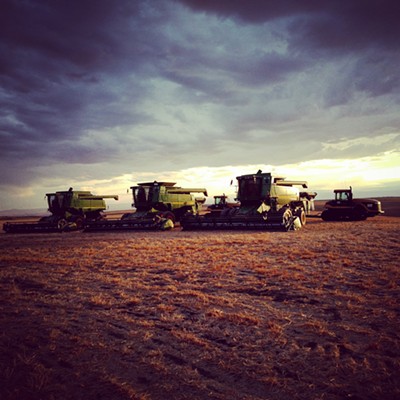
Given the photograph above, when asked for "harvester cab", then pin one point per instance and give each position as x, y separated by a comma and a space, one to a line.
157, 204
221, 205
70, 210
266, 202
220, 201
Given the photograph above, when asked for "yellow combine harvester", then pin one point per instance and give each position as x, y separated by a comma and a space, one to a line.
70, 210
266, 202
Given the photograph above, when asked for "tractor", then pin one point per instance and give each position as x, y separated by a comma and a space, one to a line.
345, 207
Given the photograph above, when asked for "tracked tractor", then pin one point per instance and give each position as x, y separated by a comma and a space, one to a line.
159, 205
345, 207
266, 202
70, 210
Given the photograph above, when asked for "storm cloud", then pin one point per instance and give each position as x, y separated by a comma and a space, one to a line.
99, 89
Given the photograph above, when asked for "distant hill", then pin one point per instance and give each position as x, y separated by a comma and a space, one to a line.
34, 212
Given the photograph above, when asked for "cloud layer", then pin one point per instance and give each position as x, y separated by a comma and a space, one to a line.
96, 90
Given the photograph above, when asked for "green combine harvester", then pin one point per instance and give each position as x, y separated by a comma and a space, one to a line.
266, 202
159, 205
70, 210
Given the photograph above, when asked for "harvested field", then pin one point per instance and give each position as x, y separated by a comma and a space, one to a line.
310, 314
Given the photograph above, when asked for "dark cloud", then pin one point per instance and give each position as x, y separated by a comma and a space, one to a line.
254, 11
79, 34
377, 74
326, 24
56, 61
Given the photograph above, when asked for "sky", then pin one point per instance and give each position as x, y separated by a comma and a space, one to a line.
100, 95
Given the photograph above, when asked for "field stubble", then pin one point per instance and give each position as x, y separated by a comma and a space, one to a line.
311, 314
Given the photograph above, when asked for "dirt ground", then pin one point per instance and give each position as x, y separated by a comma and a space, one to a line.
309, 314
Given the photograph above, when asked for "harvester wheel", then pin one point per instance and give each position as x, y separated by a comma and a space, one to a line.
168, 215
61, 224
287, 218
302, 216
79, 222
165, 220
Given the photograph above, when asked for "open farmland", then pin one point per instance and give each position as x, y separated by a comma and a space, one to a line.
310, 314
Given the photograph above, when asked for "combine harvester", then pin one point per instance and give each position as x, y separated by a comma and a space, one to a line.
158, 206
265, 203
70, 210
